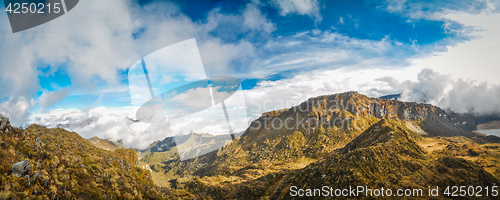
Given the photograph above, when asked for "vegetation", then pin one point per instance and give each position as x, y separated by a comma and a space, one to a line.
386, 143
341, 140
66, 166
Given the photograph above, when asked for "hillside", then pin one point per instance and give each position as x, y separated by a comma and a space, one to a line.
58, 164
335, 131
489, 125
387, 154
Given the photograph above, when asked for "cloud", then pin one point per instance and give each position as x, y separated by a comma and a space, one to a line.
226, 26
430, 88
193, 98
115, 123
253, 19
92, 44
17, 109
300, 7
475, 59
473, 96
459, 95
437, 9
218, 58
441, 90
50, 98
315, 49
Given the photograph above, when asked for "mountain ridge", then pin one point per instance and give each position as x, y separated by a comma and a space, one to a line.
263, 148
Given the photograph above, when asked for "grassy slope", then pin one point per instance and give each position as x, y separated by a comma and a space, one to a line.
386, 155
76, 169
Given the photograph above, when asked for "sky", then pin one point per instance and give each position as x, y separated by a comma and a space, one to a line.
76, 67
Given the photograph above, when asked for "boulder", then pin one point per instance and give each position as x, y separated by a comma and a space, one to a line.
20, 168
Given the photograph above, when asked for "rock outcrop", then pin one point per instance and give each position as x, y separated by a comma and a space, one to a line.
3, 123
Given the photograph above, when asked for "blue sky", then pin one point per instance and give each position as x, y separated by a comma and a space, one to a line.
80, 61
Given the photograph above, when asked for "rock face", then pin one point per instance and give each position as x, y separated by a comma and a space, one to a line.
343, 107
3, 122
20, 168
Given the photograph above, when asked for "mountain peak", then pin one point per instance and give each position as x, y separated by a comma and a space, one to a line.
381, 133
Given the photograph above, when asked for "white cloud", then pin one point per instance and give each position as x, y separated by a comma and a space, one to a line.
430, 87
459, 95
476, 59
316, 49
50, 98
194, 98
435, 10
473, 96
217, 56
254, 19
425, 86
17, 109
92, 43
301, 7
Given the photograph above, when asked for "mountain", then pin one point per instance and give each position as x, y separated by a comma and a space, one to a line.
391, 96
338, 140
55, 163
490, 125
106, 144
201, 142
82, 124
388, 154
